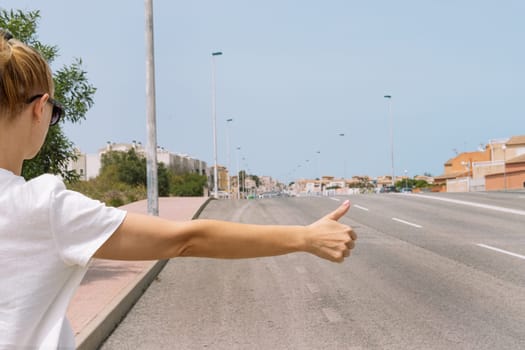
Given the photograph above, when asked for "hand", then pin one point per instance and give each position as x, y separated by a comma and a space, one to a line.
329, 239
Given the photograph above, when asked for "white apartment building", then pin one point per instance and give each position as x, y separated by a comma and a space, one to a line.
88, 165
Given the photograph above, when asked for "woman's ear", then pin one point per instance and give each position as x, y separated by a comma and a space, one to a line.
39, 107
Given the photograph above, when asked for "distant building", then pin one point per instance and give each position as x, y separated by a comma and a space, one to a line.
88, 165
268, 184
497, 167
429, 179
327, 186
512, 176
222, 178
459, 172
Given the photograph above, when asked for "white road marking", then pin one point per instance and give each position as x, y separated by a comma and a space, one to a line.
359, 207
407, 223
335, 199
501, 251
332, 315
478, 205
313, 288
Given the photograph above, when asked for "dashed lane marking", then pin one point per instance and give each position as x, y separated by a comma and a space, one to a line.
335, 199
407, 223
359, 207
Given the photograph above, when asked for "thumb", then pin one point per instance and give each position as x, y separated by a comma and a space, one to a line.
339, 212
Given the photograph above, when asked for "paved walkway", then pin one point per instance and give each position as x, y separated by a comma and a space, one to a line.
110, 288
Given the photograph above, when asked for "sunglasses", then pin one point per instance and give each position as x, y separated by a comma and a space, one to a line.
58, 109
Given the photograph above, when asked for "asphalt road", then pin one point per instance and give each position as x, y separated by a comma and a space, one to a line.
440, 271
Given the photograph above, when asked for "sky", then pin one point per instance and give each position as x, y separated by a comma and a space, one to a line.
295, 74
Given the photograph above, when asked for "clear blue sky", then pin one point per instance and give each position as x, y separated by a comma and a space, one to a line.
296, 74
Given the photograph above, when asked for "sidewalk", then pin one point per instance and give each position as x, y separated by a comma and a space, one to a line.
110, 288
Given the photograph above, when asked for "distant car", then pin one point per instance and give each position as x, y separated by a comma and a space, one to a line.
406, 190
388, 189
223, 194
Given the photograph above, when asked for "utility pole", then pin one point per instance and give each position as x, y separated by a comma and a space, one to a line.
214, 120
228, 121
389, 97
151, 127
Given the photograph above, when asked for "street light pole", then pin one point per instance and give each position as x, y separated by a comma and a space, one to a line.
319, 172
344, 159
504, 147
389, 97
214, 115
151, 126
228, 153
244, 192
238, 175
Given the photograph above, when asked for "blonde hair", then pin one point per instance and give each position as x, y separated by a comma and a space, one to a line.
23, 73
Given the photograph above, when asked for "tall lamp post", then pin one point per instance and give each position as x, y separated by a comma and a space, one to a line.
228, 154
319, 172
344, 160
389, 97
504, 148
244, 168
214, 115
238, 175
151, 127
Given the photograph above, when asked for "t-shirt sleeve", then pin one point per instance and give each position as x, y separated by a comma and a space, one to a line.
80, 225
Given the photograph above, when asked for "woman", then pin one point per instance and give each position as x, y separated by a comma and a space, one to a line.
49, 234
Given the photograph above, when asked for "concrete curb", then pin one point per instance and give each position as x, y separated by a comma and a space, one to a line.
105, 322
101, 327
201, 208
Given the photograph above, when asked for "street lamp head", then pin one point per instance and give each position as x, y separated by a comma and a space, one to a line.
218, 53
388, 96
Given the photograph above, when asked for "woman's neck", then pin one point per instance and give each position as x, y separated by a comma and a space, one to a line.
9, 163
11, 149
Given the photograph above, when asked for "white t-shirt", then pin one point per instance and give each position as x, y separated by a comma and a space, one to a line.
47, 237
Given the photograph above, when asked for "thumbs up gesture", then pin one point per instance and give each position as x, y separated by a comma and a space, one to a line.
329, 239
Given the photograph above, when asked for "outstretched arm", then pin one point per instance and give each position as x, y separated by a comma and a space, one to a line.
142, 237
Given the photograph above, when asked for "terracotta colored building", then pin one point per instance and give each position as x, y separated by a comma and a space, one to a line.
513, 178
459, 171
513, 175
501, 166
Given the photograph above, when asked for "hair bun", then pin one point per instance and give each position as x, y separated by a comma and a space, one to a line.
5, 48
